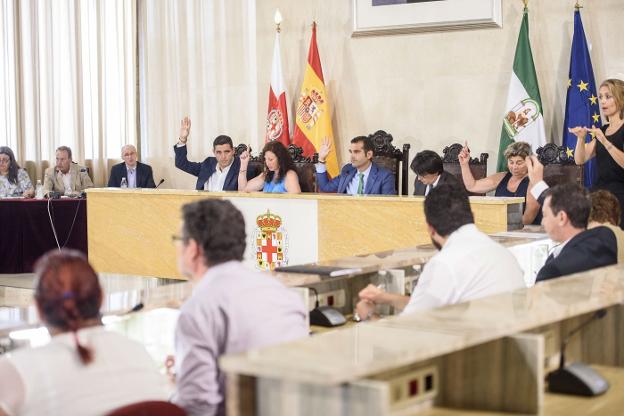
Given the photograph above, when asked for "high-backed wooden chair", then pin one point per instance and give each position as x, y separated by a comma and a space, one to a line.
31, 168
478, 167
304, 165
305, 168
558, 166
393, 159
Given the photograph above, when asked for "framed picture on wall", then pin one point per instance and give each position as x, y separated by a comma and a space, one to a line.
385, 17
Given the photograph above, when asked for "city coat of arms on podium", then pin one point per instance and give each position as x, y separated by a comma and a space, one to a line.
270, 241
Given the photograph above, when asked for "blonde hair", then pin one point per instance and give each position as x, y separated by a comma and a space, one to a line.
616, 87
522, 149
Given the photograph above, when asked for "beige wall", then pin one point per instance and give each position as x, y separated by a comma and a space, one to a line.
437, 88
212, 61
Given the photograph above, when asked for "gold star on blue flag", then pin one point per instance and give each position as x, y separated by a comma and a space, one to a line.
581, 102
569, 153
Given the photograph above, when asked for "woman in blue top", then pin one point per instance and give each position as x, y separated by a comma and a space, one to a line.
514, 182
278, 176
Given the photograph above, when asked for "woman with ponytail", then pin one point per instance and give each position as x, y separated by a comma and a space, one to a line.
84, 369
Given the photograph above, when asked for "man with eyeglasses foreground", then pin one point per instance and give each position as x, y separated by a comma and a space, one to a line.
232, 309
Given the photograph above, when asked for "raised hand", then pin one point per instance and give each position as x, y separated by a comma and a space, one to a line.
600, 136
185, 129
464, 155
371, 293
579, 131
536, 169
244, 159
324, 150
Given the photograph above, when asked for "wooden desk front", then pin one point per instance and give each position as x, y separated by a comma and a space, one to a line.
129, 231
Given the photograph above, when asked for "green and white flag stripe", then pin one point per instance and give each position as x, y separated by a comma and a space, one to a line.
523, 119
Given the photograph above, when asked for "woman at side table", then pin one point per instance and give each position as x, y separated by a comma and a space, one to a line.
14, 181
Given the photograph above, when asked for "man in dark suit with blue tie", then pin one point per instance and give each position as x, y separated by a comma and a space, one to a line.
218, 173
360, 177
565, 210
137, 174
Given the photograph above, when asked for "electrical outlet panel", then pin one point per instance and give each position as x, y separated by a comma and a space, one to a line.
413, 387
335, 298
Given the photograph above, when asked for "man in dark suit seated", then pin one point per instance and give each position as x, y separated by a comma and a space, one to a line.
360, 177
565, 210
137, 174
218, 173
429, 170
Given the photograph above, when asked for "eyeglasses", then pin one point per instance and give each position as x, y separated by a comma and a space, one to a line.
175, 237
5, 160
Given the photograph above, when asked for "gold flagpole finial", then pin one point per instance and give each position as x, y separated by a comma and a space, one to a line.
577, 6
278, 19
526, 3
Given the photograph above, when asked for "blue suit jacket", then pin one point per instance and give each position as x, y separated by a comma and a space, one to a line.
205, 169
380, 181
144, 179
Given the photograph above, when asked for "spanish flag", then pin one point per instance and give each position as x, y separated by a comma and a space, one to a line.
313, 116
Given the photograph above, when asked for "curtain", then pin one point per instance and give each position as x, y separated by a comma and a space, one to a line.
197, 58
69, 77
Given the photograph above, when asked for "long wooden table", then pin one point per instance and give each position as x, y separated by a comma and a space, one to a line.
130, 230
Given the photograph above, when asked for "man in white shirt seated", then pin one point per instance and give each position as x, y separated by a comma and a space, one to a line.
470, 264
215, 174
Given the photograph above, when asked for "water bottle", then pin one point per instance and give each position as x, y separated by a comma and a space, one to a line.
39, 190
124, 183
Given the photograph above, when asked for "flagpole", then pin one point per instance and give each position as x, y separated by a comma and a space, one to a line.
526, 4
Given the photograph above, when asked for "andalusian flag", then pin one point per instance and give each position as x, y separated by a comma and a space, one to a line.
313, 117
523, 120
277, 114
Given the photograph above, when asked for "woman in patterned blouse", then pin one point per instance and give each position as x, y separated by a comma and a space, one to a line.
14, 181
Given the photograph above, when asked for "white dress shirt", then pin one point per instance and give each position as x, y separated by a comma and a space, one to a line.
217, 180
433, 185
470, 266
66, 177
131, 176
352, 188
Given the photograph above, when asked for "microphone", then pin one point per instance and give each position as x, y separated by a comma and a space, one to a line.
577, 379
160, 183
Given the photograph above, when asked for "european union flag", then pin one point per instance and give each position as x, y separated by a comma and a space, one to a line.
582, 107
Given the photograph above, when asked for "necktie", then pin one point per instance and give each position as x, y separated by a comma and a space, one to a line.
360, 190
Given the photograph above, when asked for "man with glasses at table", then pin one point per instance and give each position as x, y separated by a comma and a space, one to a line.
137, 174
232, 309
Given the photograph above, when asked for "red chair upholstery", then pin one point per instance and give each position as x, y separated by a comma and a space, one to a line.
150, 408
